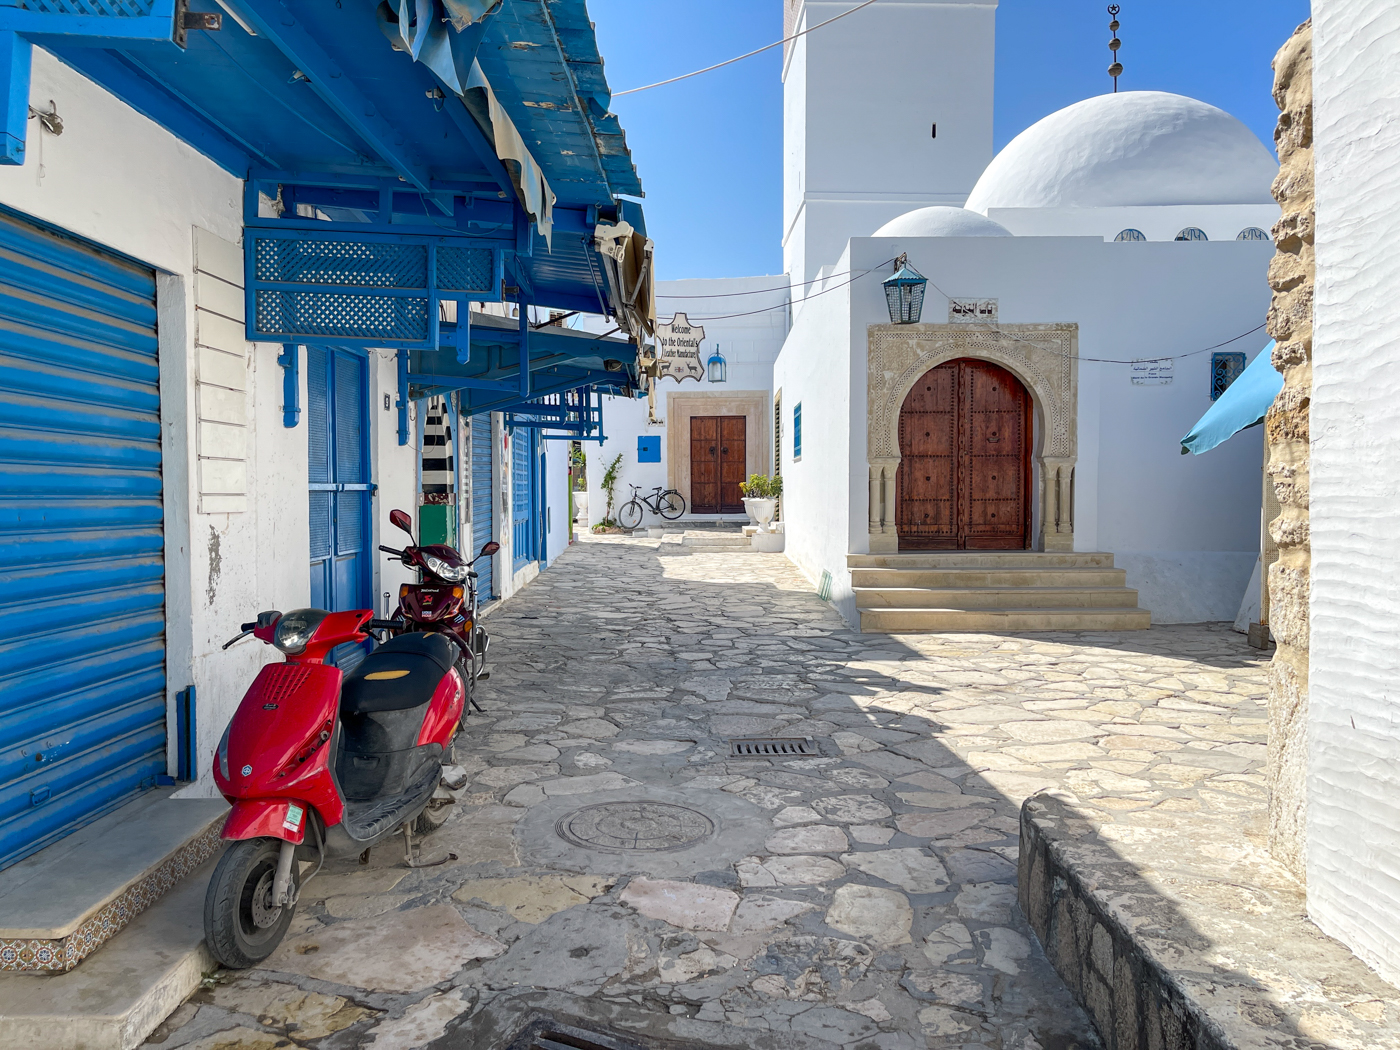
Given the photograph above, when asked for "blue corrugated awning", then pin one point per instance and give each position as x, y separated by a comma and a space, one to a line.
1242, 405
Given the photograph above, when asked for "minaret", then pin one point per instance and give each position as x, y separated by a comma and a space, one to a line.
887, 110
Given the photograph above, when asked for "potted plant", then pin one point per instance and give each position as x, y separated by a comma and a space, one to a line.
761, 494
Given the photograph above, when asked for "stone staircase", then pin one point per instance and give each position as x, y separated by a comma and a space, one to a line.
993, 591
715, 540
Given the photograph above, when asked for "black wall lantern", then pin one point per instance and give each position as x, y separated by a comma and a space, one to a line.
718, 368
904, 292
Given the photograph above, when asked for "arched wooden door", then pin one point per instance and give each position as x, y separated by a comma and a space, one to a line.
964, 479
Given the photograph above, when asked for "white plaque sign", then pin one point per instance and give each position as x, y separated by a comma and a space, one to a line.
678, 349
1158, 372
972, 311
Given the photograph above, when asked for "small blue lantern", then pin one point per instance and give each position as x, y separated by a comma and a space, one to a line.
717, 366
904, 292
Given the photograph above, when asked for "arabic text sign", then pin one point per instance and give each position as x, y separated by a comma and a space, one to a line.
1149, 372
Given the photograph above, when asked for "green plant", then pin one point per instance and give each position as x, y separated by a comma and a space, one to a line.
761, 486
610, 483
578, 460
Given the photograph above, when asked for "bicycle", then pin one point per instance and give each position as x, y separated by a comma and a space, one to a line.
669, 503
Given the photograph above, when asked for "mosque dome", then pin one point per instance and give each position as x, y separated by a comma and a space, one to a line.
1132, 149
941, 222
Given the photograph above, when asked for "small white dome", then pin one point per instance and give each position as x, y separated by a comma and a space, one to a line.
941, 222
1132, 149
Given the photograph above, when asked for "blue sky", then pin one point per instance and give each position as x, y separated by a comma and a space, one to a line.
709, 149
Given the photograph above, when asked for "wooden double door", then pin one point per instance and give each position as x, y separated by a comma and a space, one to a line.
718, 446
964, 480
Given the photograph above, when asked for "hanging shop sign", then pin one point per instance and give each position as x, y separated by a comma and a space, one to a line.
678, 349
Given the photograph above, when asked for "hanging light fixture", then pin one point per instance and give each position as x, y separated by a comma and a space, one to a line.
717, 366
904, 292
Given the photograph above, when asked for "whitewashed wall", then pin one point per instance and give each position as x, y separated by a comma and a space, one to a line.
1353, 833
859, 103
750, 343
1185, 527
1219, 222
820, 491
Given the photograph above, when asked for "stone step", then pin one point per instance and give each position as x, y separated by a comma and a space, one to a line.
996, 621
67, 899
122, 992
985, 577
969, 598
982, 560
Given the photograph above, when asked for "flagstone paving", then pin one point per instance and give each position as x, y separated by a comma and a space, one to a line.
615, 863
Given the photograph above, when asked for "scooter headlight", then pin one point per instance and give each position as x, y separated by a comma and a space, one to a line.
440, 569
295, 629
223, 752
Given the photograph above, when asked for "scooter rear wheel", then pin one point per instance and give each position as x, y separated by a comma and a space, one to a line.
241, 925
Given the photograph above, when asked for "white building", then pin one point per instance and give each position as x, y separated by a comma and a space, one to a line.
1118, 251
163, 477
1351, 740
745, 321
1073, 242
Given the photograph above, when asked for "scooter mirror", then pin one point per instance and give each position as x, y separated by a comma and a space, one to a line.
490, 548
403, 521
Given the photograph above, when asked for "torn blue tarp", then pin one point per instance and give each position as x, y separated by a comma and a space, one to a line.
1242, 405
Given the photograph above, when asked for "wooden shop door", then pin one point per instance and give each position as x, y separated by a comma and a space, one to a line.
964, 478
717, 457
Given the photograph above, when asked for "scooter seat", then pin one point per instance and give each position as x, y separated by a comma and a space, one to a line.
401, 673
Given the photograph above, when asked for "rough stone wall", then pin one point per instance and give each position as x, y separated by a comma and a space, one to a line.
1286, 428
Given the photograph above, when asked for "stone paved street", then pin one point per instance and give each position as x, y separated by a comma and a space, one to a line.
617, 866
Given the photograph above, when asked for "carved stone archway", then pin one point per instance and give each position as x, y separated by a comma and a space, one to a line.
1045, 357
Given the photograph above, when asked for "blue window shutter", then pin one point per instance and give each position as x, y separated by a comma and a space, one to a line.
797, 431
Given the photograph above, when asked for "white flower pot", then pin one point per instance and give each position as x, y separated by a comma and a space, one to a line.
762, 511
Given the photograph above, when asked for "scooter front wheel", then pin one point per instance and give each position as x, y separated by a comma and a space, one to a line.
242, 926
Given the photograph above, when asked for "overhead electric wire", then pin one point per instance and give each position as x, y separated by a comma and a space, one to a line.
740, 58
756, 291
790, 302
1102, 360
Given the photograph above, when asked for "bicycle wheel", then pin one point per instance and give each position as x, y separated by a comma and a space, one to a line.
630, 516
672, 504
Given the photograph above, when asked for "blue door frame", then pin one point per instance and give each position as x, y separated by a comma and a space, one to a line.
527, 498
338, 476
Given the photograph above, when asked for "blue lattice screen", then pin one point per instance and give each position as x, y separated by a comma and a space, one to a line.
367, 290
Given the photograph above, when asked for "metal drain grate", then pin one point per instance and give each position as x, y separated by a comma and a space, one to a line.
548, 1034
760, 746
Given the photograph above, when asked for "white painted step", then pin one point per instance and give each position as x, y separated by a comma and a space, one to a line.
994, 621
969, 598
979, 576
981, 559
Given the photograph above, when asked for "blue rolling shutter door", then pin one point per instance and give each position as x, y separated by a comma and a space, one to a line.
82, 568
482, 521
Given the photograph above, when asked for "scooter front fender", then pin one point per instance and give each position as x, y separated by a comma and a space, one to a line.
278, 818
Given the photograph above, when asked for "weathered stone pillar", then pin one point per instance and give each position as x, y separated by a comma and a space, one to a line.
1057, 528
1286, 432
884, 536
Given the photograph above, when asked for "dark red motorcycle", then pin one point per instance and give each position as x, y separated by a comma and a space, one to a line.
446, 601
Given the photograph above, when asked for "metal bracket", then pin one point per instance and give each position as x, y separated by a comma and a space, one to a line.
290, 360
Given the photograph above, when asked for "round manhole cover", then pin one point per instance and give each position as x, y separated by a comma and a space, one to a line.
634, 827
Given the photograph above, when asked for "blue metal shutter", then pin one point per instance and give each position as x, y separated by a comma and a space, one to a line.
82, 565
482, 521
522, 500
